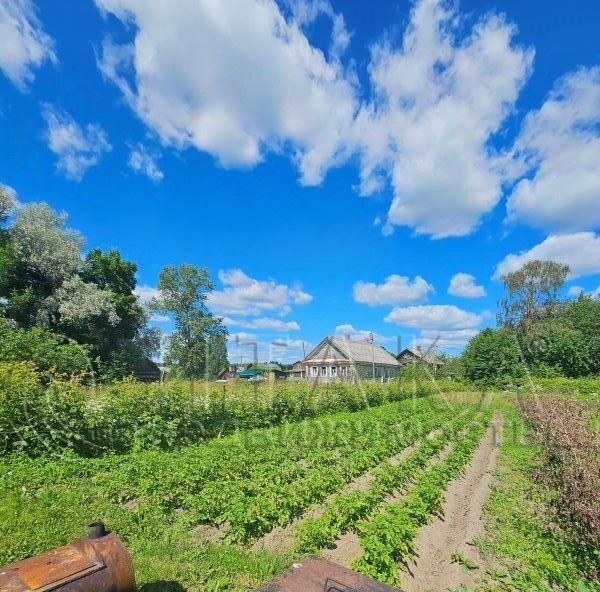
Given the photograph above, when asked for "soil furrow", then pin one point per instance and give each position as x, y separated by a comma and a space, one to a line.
446, 557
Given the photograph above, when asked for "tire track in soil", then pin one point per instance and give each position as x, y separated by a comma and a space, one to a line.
434, 569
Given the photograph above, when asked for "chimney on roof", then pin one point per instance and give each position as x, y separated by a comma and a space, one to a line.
347, 337
399, 344
419, 348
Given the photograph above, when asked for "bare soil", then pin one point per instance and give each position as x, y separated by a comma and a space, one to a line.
281, 538
446, 556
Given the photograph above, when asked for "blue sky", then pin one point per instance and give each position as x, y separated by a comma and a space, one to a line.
339, 167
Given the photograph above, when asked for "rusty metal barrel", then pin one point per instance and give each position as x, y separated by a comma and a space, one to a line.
96, 563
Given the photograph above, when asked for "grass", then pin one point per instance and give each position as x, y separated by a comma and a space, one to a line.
532, 555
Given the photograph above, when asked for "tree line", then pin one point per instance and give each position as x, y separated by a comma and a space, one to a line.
76, 313
538, 333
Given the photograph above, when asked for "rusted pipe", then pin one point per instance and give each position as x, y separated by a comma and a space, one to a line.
96, 563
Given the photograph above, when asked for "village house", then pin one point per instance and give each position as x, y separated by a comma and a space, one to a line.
337, 359
415, 355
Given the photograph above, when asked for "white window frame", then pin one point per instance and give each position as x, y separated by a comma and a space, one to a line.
314, 371
333, 370
323, 371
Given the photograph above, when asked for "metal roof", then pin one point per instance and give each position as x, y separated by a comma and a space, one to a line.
357, 351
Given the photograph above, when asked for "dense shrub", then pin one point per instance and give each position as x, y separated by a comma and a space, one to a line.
129, 415
49, 353
492, 358
572, 454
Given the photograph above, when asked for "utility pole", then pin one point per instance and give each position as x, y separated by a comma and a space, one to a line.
372, 352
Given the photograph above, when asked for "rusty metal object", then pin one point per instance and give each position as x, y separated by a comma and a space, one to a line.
313, 574
96, 563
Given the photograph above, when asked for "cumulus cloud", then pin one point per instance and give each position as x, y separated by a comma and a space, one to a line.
234, 79
560, 148
24, 45
437, 317
438, 101
77, 148
575, 291
580, 251
463, 285
445, 340
143, 160
262, 323
244, 295
396, 289
146, 293
359, 334
159, 318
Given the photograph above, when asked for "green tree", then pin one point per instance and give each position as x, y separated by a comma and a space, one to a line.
493, 358
216, 352
184, 290
531, 293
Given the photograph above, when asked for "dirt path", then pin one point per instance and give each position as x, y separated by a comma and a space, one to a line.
444, 540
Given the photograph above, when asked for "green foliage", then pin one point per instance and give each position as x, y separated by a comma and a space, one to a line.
128, 415
493, 358
531, 293
388, 538
184, 291
531, 554
347, 509
52, 355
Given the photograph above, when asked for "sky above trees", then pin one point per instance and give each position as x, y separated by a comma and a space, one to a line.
339, 167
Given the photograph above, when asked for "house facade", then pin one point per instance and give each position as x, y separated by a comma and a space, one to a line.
414, 355
336, 359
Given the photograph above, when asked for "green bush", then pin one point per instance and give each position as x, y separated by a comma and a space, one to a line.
50, 354
493, 358
128, 415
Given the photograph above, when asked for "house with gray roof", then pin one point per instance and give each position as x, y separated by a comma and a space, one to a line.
337, 359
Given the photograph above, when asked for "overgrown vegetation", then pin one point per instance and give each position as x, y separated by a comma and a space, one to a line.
38, 418
571, 453
530, 553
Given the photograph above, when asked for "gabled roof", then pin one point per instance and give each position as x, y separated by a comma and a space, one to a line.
433, 356
355, 351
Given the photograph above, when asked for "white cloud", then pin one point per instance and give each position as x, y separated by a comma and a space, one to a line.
234, 79
463, 284
24, 45
560, 148
77, 148
580, 251
143, 160
146, 293
159, 318
575, 291
445, 340
360, 334
244, 295
437, 317
438, 101
396, 289
242, 336
262, 323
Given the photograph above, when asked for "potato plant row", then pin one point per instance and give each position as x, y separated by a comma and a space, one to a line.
346, 509
269, 498
388, 538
